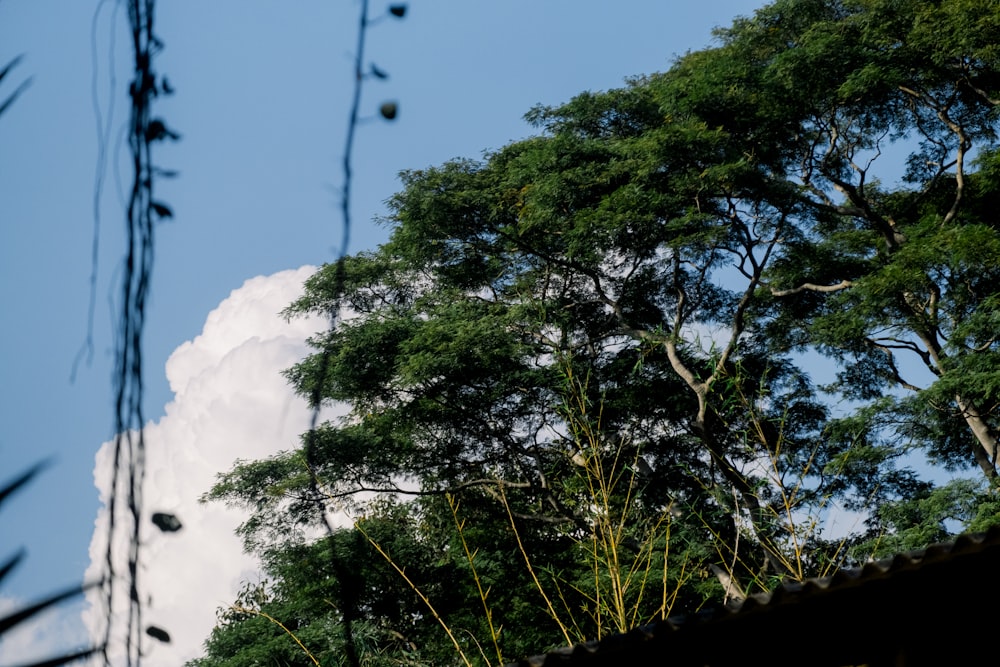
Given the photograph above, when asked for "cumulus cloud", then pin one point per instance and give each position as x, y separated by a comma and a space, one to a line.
230, 402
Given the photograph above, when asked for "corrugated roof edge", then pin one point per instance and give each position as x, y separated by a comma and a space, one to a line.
970, 547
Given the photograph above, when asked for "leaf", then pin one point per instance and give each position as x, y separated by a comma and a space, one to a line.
157, 130
161, 209
65, 659
23, 614
17, 91
11, 65
11, 563
158, 633
379, 73
399, 11
168, 523
23, 479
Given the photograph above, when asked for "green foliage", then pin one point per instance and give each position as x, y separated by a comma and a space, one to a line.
324, 590
932, 516
598, 340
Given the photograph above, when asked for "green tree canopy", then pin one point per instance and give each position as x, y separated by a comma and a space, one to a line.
636, 295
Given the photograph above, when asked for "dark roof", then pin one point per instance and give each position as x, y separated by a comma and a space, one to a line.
934, 606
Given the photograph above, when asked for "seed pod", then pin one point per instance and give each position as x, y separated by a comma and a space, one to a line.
388, 110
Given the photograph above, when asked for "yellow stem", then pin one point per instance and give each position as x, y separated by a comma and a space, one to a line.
475, 575
416, 590
531, 570
258, 612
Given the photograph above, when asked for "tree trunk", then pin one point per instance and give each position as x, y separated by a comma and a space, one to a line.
986, 456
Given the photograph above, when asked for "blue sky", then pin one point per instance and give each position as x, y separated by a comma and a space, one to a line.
262, 98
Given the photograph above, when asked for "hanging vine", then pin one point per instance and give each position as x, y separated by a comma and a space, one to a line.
142, 213
388, 110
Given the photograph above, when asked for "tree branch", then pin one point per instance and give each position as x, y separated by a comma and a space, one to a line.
812, 287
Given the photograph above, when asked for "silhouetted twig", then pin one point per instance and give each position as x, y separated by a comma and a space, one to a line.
348, 606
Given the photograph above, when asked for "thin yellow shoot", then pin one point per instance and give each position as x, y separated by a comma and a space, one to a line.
415, 589
470, 556
531, 570
258, 612
614, 575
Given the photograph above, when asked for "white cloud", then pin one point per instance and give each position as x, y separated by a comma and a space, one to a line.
230, 402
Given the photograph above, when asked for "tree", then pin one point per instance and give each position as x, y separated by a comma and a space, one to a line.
631, 290
344, 592
885, 278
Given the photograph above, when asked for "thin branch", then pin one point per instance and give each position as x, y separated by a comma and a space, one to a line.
812, 287
334, 312
420, 593
534, 577
257, 612
891, 360
423, 492
470, 556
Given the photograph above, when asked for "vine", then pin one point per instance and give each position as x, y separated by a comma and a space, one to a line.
142, 213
